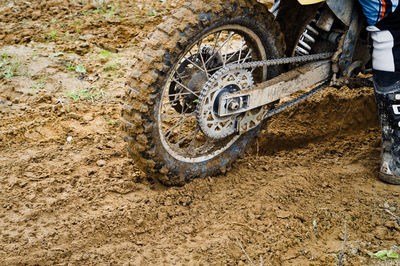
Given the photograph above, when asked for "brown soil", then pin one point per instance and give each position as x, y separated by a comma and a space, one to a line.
70, 194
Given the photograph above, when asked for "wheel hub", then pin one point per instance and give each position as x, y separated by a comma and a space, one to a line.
211, 124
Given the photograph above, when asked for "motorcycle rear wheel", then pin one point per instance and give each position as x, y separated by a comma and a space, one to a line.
159, 118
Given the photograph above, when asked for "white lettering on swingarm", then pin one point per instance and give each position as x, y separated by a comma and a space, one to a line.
396, 109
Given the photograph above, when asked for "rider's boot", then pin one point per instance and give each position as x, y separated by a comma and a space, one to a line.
387, 93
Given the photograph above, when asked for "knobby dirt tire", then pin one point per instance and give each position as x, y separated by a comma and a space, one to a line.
160, 52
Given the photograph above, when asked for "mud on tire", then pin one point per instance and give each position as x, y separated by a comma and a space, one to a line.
161, 52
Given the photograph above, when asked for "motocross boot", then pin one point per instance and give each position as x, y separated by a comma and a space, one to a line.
387, 94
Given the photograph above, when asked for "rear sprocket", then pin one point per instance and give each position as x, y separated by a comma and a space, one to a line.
211, 124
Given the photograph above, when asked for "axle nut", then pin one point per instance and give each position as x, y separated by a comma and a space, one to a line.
233, 105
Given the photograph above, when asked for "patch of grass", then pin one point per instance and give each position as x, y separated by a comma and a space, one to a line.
74, 95
34, 56
8, 74
100, 9
385, 254
106, 54
79, 68
111, 11
11, 70
70, 67
51, 36
78, 22
108, 11
39, 85
111, 121
57, 54
7, 67
4, 59
5, 55
92, 94
112, 67
86, 12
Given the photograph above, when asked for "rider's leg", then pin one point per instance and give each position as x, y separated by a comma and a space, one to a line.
387, 93
386, 64
383, 18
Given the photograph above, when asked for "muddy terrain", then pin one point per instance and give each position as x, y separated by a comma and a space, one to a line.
70, 194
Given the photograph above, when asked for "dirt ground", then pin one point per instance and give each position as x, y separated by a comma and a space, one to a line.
70, 193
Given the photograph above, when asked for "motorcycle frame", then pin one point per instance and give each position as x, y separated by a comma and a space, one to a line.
347, 12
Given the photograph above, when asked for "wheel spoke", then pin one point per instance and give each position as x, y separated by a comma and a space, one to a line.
197, 66
202, 59
227, 47
171, 102
241, 48
180, 124
185, 87
179, 94
247, 56
182, 77
219, 49
188, 136
179, 130
216, 41
175, 126
233, 54
178, 116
